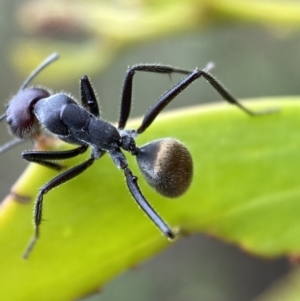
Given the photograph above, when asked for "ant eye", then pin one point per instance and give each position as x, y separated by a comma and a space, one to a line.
167, 166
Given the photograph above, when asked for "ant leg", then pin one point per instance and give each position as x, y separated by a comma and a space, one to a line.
43, 157
10, 144
88, 97
168, 96
127, 86
145, 206
121, 162
60, 179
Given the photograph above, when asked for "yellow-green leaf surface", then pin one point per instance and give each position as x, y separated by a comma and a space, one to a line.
287, 289
246, 191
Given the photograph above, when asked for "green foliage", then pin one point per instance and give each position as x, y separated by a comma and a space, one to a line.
287, 289
112, 26
245, 191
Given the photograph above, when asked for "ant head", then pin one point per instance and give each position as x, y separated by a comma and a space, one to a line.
19, 114
167, 166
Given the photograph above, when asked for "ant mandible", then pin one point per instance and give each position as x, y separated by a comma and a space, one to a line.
166, 164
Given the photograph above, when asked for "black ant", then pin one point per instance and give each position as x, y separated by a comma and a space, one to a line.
166, 164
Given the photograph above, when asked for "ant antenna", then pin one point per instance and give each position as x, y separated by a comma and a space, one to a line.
10, 144
50, 59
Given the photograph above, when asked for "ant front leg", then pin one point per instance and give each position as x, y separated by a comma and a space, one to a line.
88, 97
44, 157
38, 208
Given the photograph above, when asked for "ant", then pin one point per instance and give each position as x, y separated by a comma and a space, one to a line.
166, 164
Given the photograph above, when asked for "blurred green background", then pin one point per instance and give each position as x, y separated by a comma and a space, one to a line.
251, 59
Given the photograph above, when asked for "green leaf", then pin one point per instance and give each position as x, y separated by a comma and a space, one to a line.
286, 289
245, 191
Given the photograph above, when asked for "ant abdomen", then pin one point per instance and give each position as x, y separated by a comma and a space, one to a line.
19, 114
167, 166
